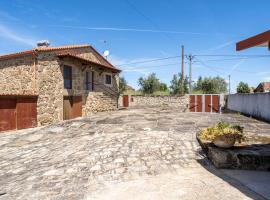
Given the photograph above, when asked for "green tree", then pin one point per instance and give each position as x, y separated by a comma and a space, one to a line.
198, 85
176, 84
122, 85
163, 87
209, 85
150, 84
243, 88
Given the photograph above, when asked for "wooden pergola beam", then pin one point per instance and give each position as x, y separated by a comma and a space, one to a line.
263, 38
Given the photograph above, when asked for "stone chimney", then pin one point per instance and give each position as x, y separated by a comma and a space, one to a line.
43, 43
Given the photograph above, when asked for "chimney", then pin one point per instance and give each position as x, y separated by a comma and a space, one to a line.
43, 43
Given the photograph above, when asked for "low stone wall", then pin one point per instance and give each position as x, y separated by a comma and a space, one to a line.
255, 105
179, 102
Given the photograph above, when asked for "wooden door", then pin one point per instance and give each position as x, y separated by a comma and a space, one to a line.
208, 106
125, 101
192, 103
215, 103
67, 107
26, 113
199, 103
7, 114
76, 107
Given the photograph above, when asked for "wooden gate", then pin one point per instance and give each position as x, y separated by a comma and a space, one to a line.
125, 101
204, 103
18, 113
26, 113
72, 107
8, 114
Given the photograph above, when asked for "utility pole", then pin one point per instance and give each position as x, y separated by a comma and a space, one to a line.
182, 72
190, 58
229, 84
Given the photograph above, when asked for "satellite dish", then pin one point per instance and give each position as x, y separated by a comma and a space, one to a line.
106, 53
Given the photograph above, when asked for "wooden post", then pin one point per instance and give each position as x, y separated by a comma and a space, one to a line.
182, 73
190, 73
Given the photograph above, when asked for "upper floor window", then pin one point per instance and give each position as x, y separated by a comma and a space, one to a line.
67, 77
108, 79
89, 81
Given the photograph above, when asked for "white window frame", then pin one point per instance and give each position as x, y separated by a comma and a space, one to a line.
110, 85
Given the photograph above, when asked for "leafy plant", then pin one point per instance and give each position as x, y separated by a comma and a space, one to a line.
243, 88
221, 129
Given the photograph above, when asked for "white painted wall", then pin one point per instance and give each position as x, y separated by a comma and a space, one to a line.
256, 104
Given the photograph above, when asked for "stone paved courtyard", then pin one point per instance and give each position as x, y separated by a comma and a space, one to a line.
148, 153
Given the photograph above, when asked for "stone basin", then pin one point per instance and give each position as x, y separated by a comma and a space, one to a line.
252, 154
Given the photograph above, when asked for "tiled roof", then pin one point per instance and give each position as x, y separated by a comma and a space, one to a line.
106, 65
266, 85
66, 47
101, 60
263, 86
40, 49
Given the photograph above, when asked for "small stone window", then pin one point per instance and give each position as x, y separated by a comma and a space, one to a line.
108, 79
67, 77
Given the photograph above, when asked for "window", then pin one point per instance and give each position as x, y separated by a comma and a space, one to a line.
108, 79
89, 81
67, 77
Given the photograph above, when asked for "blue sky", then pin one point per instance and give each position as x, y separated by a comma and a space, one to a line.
138, 30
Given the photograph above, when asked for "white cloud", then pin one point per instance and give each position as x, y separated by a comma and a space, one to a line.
9, 34
221, 46
6, 16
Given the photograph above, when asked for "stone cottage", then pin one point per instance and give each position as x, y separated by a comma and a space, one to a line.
49, 84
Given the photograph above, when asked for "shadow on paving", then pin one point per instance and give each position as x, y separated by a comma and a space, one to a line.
205, 163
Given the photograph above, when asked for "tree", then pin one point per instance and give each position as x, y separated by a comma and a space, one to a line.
198, 85
243, 88
150, 84
163, 87
209, 85
176, 84
122, 85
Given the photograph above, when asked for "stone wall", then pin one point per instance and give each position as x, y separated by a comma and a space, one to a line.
180, 103
18, 75
50, 90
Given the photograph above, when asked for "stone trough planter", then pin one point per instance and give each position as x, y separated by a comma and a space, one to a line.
224, 141
246, 157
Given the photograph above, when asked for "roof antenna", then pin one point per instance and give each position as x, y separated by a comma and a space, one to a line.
106, 53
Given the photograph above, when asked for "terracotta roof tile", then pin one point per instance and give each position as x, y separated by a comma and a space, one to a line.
103, 64
41, 49
62, 47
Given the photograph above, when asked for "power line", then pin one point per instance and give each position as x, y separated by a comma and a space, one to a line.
225, 59
207, 66
146, 61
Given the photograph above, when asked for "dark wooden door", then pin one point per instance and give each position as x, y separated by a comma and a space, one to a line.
215, 103
26, 113
208, 106
199, 103
76, 107
7, 114
192, 103
125, 101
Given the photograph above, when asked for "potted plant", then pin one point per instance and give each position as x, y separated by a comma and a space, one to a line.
223, 134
